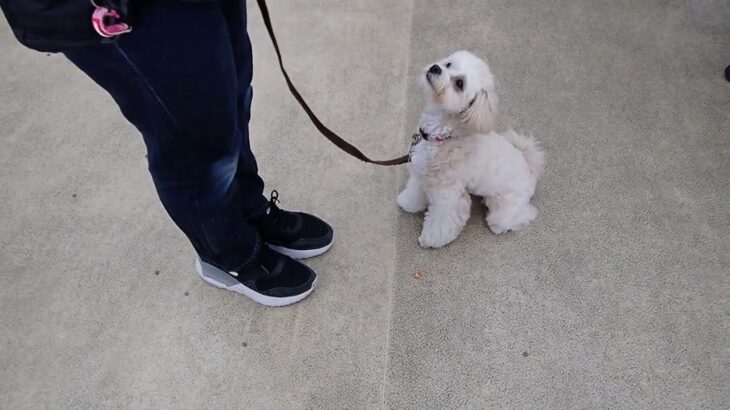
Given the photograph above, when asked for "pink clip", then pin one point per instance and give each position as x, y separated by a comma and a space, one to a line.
99, 21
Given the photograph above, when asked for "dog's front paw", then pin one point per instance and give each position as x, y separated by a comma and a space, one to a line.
518, 219
410, 202
436, 238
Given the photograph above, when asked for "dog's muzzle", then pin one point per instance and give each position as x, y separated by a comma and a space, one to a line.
433, 71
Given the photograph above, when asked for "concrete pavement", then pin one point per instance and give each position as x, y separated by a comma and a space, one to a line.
615, 297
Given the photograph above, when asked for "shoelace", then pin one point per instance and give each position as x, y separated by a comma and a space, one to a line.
279, 217
274, 211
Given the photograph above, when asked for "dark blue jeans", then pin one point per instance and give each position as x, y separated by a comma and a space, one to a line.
183, 78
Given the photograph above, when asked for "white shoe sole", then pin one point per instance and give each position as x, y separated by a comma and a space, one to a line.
302, 254
223, 280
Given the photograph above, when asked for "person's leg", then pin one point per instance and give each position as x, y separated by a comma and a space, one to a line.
188, 92
176, 79
295, 234
247, 175
180, 88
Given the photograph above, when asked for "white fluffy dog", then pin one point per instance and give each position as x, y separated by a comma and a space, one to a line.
458, 153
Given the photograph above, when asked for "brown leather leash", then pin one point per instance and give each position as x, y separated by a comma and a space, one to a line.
326, 132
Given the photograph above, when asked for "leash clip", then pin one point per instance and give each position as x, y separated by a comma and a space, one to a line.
415, 139
108, 22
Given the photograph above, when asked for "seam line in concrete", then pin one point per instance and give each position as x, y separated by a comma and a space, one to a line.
407, 66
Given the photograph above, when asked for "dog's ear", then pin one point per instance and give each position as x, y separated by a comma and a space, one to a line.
482, 114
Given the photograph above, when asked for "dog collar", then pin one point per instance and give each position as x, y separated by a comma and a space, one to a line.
471, 103
423, 135
468, 106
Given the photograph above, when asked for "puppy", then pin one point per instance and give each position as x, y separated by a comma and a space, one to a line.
457, 153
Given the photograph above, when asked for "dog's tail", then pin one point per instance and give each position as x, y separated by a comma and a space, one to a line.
531, 149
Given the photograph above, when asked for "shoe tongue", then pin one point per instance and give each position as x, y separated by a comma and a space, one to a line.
284, 222
289, 222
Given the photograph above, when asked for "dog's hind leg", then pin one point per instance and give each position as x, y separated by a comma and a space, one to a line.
509, 212
447, 214
412, 199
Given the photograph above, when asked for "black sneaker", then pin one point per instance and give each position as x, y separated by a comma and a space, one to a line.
295, 234
271, 280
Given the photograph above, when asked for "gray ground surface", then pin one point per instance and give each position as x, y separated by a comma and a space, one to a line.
616, 297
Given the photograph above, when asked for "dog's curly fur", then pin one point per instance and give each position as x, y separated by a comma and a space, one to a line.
464, 156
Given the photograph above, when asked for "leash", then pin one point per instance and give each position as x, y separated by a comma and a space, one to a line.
326, 132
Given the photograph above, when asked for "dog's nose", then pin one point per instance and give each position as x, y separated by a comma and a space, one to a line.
435, 69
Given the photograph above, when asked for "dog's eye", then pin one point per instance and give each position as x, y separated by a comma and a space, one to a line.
448, 65
460, 84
